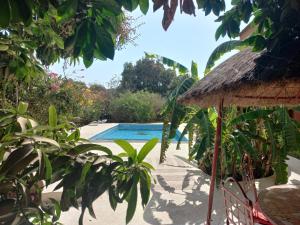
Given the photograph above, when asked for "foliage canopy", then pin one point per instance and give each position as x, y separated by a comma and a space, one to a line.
147, 75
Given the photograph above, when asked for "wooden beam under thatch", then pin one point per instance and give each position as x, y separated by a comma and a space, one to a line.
250, 79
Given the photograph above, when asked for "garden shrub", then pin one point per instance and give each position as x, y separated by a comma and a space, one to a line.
73, 99
136, 107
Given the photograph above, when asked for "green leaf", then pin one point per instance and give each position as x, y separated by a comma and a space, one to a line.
48, 169
168, 62
145, 185
74, 136
60, 42
111, 5
245, 144
144, 6
221, 50
123, 154
15, 11
22, 108
146, 149
147, 165
88, 61
52, 116
178, 115
132, 201
112, 199
68, 8
194, 70
82, 148
281, 171
25, 11
127, 147
257, 41
4, 13
271, 137
84, 171
105, 42
220, 31
200, 118
130, 4
3, 48
57, 208
88, 55
235, 2
251, 115
199, 148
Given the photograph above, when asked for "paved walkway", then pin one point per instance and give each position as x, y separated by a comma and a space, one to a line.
179, 196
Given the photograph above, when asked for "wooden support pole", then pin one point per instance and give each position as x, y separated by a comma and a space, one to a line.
215, 160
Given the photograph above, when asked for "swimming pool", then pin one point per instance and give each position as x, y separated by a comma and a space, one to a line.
139, 132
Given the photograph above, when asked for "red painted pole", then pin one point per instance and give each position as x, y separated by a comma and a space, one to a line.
214, 165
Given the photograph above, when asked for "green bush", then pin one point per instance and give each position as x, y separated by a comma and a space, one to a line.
136, 107
34, 155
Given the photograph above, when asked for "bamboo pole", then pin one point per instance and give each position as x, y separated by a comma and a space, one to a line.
215, 160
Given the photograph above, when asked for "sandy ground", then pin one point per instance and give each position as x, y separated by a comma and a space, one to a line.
179, 197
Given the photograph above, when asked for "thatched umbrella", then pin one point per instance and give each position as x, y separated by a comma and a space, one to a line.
247, 79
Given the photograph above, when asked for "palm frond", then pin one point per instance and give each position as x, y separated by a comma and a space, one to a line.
220, 51
257, 42
168, 62
184, 86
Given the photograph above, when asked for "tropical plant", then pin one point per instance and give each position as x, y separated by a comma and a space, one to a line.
174, 113
264, 135
34, 156
139, 171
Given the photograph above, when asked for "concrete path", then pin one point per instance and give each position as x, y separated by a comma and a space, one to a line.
179, 197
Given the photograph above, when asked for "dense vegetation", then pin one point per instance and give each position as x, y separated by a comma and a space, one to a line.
82, 103
138, 107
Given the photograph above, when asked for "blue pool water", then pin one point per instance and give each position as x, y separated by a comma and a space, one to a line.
133, 132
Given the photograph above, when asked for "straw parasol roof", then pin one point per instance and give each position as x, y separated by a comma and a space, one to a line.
250, 79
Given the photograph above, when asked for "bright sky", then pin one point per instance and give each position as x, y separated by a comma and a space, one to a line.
188, 38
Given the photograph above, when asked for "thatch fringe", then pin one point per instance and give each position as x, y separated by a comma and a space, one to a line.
249, 79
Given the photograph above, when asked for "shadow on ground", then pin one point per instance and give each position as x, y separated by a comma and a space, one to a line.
183, 201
